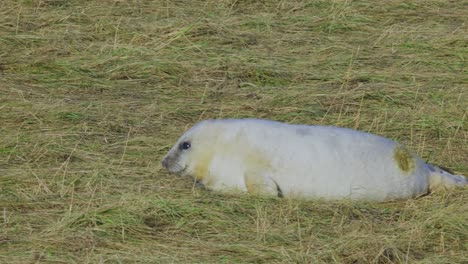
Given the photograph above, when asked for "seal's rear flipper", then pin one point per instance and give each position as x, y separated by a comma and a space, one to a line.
440, 179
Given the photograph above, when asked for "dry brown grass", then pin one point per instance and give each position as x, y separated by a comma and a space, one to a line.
93, 93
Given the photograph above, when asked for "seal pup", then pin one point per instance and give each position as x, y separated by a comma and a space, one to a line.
269, 157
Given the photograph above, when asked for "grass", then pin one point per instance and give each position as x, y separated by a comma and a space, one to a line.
94, 93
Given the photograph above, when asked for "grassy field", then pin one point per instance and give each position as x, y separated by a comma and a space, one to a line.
94, 93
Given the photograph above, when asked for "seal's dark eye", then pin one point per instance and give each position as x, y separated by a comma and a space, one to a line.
184, 145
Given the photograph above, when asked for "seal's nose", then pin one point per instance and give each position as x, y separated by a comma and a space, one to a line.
165, 162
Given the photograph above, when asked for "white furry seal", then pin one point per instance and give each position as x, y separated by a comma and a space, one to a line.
268, 157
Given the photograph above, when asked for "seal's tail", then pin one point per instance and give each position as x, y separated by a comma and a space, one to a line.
441, 179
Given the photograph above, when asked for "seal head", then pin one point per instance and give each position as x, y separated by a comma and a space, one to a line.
175, 162
190, 147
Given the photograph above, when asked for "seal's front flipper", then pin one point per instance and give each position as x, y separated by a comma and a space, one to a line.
258, 182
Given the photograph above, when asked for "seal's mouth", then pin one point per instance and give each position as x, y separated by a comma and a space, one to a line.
199, 183
182, 172
177, 170
173, 167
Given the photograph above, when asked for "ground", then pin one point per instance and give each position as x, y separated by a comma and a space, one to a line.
94, 93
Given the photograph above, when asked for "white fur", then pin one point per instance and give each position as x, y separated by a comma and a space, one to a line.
270, 157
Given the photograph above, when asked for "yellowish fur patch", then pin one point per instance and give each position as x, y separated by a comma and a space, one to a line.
254, 177
436, 184
202, 164
252, 185
404, 159
255, 165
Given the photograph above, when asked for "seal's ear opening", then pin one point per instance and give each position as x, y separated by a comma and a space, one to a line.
184, 145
